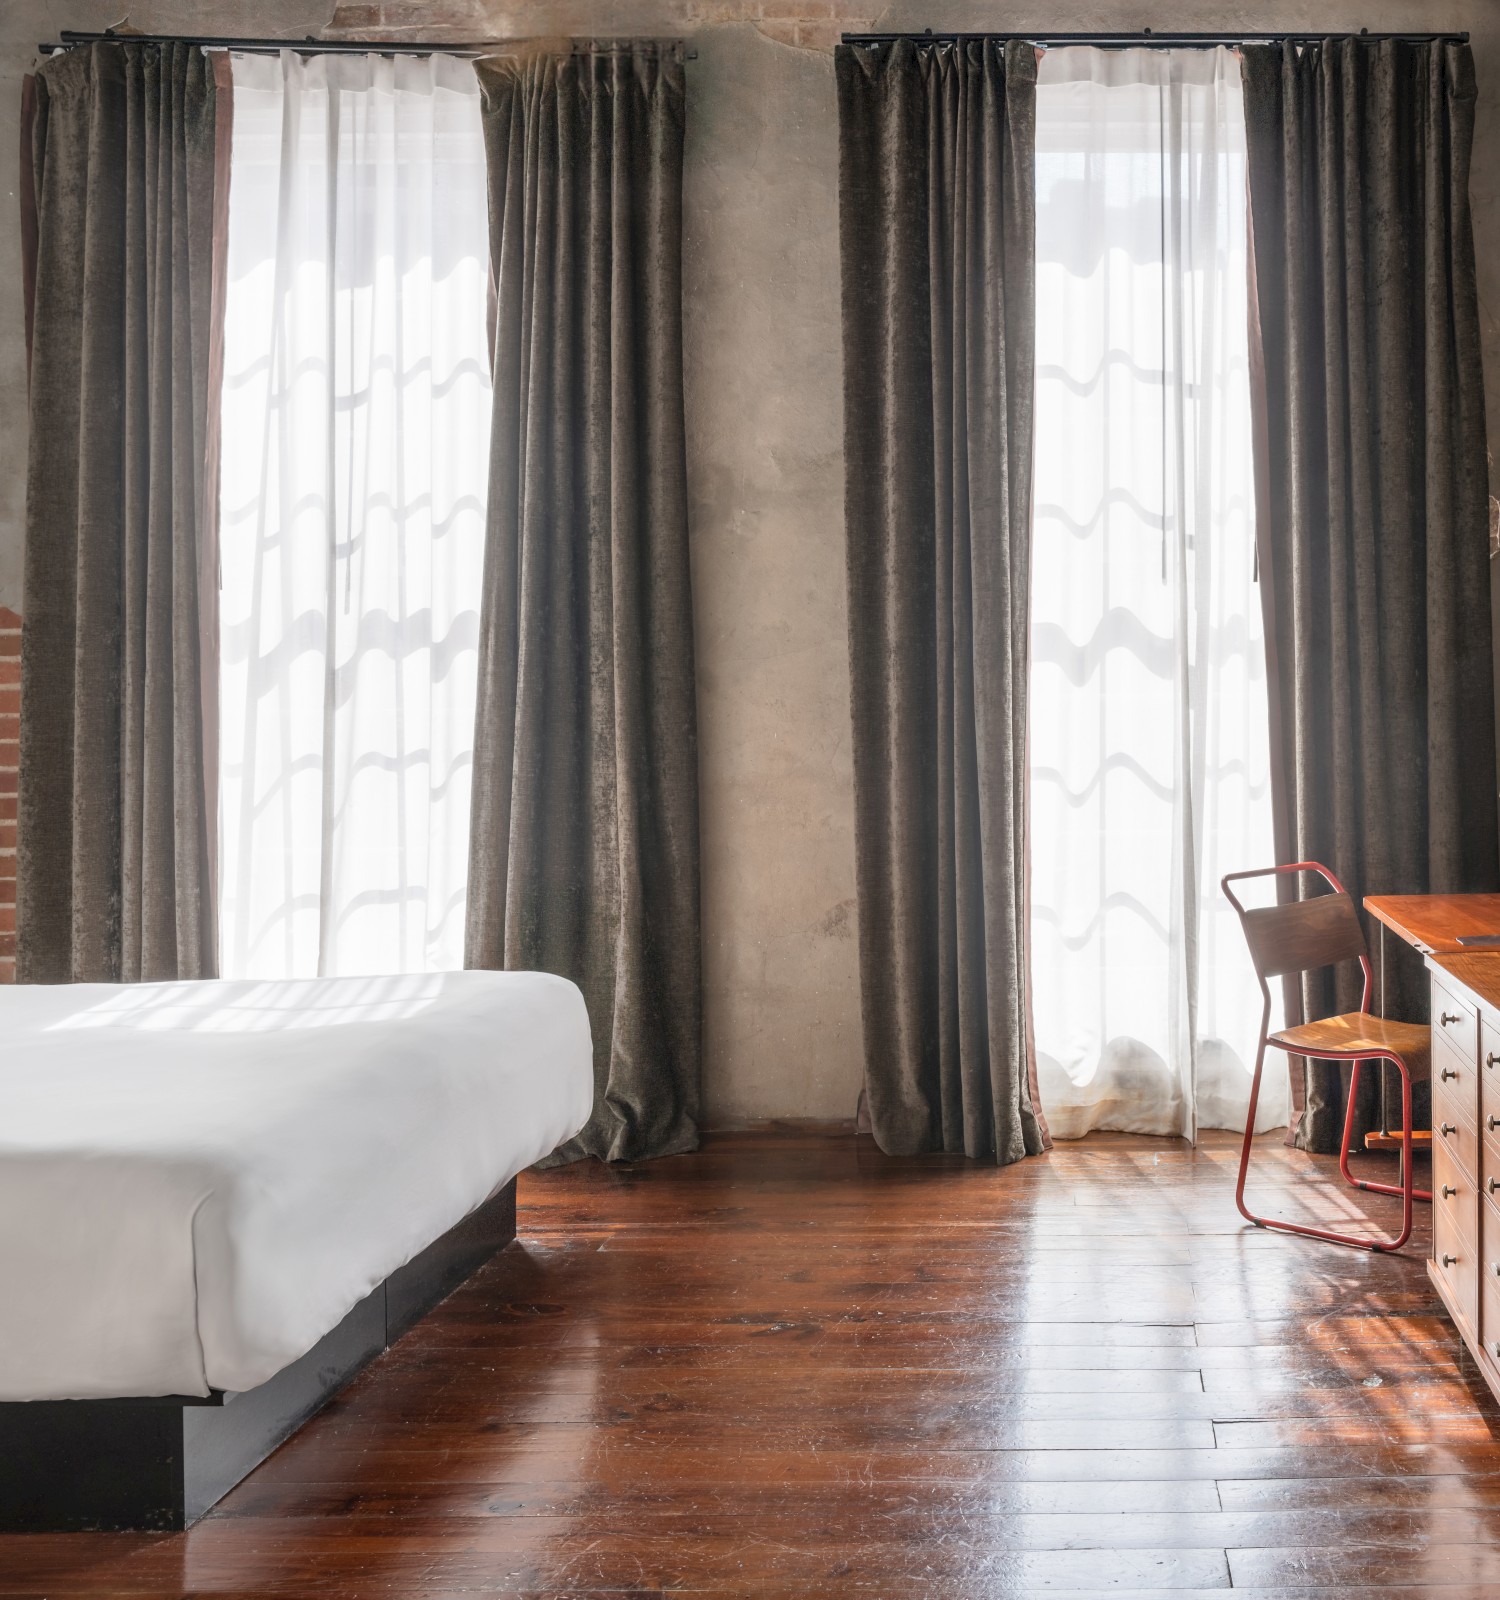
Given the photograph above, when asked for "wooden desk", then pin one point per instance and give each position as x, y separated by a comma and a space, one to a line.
1435, 922
1465, 984
1429, 923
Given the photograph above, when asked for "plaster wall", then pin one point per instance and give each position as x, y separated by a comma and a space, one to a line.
762, 343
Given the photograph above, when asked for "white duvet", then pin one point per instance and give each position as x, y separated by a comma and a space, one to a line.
198, 1180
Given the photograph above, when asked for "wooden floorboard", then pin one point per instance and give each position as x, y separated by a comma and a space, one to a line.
788, 1365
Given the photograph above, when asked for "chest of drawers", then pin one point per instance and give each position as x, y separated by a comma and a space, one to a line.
1465, 1262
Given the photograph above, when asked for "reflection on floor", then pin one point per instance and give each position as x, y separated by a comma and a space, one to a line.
791, 1365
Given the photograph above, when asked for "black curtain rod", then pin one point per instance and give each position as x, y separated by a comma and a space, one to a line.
1147, 37
67, 39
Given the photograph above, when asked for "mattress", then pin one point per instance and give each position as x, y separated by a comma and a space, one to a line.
199, 1180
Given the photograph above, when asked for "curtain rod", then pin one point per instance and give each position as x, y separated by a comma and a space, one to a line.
69, 40
1147, 37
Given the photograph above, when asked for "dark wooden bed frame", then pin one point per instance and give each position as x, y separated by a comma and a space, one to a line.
160, 1463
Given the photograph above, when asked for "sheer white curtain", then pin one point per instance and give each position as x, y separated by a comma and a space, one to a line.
1149, 734
355, 449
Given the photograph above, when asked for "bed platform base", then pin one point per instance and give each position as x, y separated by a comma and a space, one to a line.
161, 1463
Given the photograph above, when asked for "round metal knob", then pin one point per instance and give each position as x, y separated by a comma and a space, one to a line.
1492, 1123
1450, 1261
1445, 1019
1447, 1128
1447, 1073
1492, 1184
1449, 1191
1491, 1059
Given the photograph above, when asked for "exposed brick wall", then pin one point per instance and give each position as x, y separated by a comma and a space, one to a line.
10, 762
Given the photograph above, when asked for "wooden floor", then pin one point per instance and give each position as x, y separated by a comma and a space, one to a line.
790, 1365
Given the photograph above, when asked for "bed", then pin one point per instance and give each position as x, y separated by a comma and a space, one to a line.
220, 1199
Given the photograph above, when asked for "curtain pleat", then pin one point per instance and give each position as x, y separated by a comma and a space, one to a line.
115, 834
1373, 521
937, 209
584, 850
26, 195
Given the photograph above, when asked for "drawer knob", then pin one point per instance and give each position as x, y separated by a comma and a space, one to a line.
1447, 1128
1449, 1191
1450, 1261
1492, 1184
1492, 1123
1449, 1072
1446, 1018
1491, 1059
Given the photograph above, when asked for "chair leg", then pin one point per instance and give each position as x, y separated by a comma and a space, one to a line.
1369, 1185
1406, 1191
1249, 1140
1350, 1109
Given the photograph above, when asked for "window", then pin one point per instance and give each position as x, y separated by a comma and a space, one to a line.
355, 451
1149, 733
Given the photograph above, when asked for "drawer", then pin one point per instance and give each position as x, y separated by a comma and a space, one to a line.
1489, 1070
1456, 1020
1457, 1136
1489, 1158
1455, 1084
1455, 1235
1461, 1206
1489, 1280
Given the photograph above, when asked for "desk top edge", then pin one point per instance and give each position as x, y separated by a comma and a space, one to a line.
1434, 923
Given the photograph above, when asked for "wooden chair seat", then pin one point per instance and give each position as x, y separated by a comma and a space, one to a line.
1357, 1033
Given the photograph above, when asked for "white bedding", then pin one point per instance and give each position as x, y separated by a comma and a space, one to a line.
198, 1180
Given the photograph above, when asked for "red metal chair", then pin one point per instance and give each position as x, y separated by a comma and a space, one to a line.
1303, 936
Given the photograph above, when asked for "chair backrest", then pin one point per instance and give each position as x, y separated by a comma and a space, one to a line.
1301, 935
1304, 935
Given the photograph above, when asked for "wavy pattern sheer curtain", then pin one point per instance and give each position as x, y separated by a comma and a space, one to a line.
1149, 742
355, 461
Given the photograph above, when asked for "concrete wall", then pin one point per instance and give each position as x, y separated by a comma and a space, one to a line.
764, 441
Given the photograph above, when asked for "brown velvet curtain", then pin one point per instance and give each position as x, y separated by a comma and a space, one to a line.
584, 846
115, 836
937, 206
1372, 521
